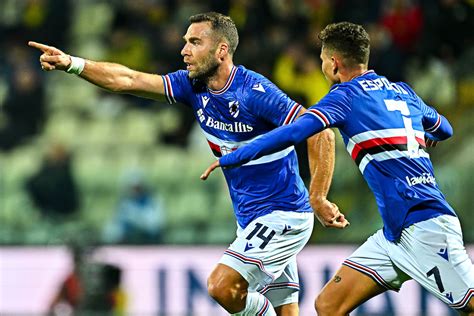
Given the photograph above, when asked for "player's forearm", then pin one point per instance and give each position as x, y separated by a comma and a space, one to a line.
109, 76
274, 141
321, 155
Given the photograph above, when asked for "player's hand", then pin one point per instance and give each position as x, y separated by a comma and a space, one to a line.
430, 143
211, 168
328, 215
52, 58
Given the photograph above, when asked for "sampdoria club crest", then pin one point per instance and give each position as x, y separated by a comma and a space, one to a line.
234, 108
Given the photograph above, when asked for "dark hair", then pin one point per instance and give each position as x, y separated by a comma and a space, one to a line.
348, 39
222, 25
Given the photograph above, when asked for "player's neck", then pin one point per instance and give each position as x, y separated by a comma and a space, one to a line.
350, 74
219, 79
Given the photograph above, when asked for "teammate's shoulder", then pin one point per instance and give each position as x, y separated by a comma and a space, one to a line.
344, 88
406, 87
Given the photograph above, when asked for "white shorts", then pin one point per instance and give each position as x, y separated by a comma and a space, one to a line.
430, 252
264, 253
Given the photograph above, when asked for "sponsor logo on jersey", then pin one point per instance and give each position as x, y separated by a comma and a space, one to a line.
200, 114
236, 127
425, 178
234, 108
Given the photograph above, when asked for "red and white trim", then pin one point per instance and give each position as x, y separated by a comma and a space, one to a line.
227, 84
369, 272
264, 309
462, 303
249, 260
168, 89
382, 145
281, 285
295, 109
217, 145
320, 116
435, 127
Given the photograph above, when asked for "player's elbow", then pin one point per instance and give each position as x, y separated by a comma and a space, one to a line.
444, 131
328, 135
449, 130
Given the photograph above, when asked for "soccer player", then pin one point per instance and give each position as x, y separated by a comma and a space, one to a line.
384, 125
257, 275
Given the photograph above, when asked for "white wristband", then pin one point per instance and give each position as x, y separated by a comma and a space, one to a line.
77, 65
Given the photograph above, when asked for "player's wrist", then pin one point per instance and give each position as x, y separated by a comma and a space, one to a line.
76, 66
318, 201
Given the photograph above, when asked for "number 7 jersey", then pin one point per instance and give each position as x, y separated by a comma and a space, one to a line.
383, 125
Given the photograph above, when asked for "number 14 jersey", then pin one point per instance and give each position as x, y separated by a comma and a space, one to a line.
248, 106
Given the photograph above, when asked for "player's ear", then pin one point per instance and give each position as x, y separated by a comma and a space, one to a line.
222, 50
335, 65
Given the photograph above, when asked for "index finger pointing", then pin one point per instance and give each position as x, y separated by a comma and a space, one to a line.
42, 47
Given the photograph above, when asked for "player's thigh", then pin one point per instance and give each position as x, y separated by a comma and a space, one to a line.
223, 278
433, 254
468, 310
346, 290
291, 309
367, 272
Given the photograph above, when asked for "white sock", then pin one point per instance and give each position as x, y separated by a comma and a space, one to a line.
256, 305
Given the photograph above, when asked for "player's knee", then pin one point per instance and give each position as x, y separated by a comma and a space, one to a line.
213, 289
469, 308
324, 306
319, 304
228, 288
328, 134
230, 296
290, 309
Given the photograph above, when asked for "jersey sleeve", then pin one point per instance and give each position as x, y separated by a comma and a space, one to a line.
271, 104
177, 86
273, 141
436, 126
333, 109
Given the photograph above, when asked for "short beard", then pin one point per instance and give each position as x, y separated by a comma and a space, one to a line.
207, 70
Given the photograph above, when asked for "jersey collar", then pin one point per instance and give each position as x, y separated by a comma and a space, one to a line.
363, 74
227, 84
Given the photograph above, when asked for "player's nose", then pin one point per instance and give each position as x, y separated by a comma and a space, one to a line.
185, 51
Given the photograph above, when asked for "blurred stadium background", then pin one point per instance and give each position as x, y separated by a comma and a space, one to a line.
78, 164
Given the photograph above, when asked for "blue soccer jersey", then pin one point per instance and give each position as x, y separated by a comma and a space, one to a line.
383, 125
248, 106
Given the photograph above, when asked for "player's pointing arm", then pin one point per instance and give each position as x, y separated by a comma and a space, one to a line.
110, 76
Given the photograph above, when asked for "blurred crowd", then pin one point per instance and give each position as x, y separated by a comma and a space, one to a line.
427, 43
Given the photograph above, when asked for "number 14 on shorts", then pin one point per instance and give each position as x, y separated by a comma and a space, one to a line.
261, 235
